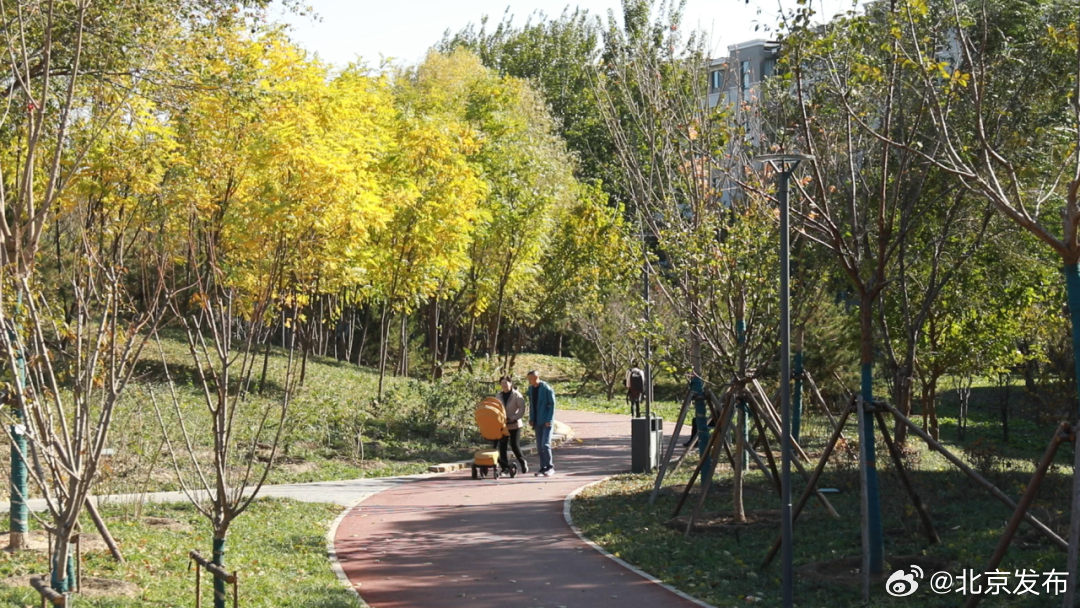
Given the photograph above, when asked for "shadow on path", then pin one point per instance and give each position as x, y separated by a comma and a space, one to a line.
455, 541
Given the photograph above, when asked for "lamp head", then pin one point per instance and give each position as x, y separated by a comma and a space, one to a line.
783, 158
784, 163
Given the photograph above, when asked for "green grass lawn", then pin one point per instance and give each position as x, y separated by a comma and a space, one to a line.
337, 429
722, 567
278, 548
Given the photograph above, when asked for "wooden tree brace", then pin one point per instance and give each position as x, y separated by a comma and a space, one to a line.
212, 568
218, 572
47, 593
979, 479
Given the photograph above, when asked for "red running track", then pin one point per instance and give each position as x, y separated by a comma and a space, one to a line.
450, 541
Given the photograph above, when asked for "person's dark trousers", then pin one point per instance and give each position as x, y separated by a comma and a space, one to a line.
635, 408
693, 432
543, 446
512, 443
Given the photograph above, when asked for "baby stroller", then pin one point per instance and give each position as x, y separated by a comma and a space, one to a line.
491, 418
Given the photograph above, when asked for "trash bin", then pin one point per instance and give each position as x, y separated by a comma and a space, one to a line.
645, 444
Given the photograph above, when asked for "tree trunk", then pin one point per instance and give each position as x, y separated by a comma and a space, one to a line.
383, 339
493, 332
446, 342
518, 344
363, 337
433, 336
931, 409
902, 381
306, 341
19, 514
508, 348
1005, 409
402, 368
963, 395
493, 340
220, 592
285, 328
265, 363
466, 348
873, 502
405, 366
62, 564
738, 509
352, 335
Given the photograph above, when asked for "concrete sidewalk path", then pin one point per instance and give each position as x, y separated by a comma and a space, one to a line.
345, 493
450, 541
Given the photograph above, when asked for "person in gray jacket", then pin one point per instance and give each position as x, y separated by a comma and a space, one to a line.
514, 404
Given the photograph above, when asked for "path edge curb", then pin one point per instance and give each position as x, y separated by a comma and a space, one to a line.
331, 551
638, 571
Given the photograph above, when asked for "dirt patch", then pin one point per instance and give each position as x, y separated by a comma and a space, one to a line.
724, 522
298, 468
164, 523
368, 465
39, 541
89, 586
846, 570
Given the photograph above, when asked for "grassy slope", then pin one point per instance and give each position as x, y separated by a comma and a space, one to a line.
403, 434
415, 425
278, 547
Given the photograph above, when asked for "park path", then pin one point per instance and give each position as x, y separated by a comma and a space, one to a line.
450, 541
345, 493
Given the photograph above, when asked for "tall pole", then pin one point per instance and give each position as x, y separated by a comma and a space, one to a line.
1072, 292
648, 346
785, 389
796, 397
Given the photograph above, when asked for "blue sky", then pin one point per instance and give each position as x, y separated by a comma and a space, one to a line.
405, 29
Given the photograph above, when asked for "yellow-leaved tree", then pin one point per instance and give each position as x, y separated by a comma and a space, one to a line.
280, 181
435, 191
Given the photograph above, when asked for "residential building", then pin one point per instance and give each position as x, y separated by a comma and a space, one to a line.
737, 77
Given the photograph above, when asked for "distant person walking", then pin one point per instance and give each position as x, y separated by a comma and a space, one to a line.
635, 389
514, 404
542, 420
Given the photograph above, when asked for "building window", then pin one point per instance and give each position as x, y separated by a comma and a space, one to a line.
714, 79
768, 67
745, 71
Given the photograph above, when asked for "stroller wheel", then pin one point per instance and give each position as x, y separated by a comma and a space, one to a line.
474, 473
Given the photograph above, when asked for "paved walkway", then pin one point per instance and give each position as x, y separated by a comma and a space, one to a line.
345, 493
450, 541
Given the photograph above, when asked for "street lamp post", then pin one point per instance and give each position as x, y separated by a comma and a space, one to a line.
785, 165
648, 393
648, 345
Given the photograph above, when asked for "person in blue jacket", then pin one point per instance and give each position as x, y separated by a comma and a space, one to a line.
542, 419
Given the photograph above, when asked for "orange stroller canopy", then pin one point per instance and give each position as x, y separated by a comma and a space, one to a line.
491, 418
